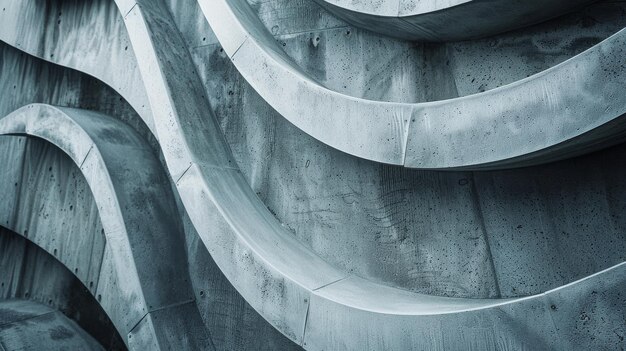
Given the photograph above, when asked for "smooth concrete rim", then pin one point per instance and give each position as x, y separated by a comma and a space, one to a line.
82, 136
430, 20
471, 132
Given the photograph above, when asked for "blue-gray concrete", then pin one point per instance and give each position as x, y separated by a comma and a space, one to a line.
27, 325
305, 156
447, 19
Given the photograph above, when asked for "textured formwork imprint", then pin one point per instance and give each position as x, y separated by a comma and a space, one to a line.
249, 199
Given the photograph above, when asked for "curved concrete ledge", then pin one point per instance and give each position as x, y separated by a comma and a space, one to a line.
29, 272
131, 190
431, 20
281, 278
214, 294
544, 116
288, 285
549, 321
86, 36
27, 325
473, 132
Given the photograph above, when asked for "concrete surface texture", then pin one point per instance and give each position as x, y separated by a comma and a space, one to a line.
430, 20
456, 133
239, 174
121, 267
27, 325
30, 273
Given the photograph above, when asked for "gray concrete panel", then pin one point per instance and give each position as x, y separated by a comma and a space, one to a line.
548, 321
88, 36
225, 312
237, 205
27, 79
27, 325
432, 20
287, 282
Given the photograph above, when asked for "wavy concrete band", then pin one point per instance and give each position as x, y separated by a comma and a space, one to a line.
294, 289
97, 45
27, 325
446, 20
567, 110
302, 295
130, 190
548, 116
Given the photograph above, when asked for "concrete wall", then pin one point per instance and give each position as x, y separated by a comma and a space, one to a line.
442, 233
50, 189
497, 234
30, 273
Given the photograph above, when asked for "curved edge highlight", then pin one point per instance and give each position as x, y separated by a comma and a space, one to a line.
506, 127
134, 284
282, 279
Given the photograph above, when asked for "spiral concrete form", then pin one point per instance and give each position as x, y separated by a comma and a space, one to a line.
212, 192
